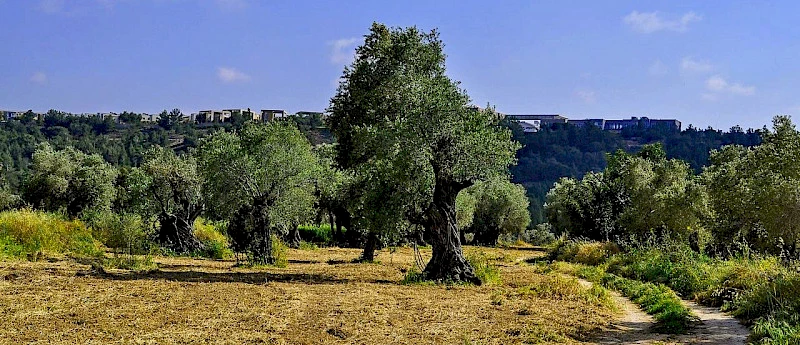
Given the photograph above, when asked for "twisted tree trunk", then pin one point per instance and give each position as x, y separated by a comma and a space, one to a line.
177, 234
368, 255
448, 262
293, 237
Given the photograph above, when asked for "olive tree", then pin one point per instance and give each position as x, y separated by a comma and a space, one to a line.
398, 117
501, 208
262, 180
174, 188
69, 180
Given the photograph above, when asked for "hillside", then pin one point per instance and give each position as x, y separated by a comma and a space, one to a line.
570, 151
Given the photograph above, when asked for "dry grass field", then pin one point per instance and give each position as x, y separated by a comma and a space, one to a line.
320, 298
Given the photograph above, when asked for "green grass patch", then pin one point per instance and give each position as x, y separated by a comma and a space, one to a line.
215, 243
307, 246
26, 233
131, 262
484, 270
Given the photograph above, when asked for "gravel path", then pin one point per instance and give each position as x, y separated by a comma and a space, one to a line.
634, 327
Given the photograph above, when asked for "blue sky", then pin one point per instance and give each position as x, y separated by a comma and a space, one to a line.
709, 63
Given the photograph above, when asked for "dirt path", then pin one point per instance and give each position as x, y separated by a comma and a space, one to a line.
634, 327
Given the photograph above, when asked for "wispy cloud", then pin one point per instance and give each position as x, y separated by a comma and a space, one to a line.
649, 22
231, 75
342, 52
587, 96
689, 64
719, 85
39, 78
658, 68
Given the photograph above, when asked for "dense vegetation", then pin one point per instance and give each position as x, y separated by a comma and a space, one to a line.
569, 151
727, 236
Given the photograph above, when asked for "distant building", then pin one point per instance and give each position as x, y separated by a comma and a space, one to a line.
599, 123
644, 122
272, 114
530, 126
544, 119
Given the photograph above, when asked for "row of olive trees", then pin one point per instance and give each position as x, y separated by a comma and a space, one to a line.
261, 180
746, 199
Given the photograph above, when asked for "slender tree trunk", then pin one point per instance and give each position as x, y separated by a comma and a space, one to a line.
177, 234
447, 261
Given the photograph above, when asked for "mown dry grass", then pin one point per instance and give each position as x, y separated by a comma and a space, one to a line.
320, 298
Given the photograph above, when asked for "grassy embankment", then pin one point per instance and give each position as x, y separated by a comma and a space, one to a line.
760, 290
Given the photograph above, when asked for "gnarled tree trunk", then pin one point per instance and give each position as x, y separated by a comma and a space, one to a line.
261, 250
177, 234
293, 237
368, 255
448, 262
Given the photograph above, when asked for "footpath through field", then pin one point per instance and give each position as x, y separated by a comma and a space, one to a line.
634, 327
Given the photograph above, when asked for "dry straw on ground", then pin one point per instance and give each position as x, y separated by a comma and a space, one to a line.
320, 298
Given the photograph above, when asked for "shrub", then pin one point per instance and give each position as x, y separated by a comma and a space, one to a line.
539, 235
36, 232
215, 244
125, 231
279, 252
317, 234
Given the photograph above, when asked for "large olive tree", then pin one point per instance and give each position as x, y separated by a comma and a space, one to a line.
396, 114
262, 180
69, 180
173, 186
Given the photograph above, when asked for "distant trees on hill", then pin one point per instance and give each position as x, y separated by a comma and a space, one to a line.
563, 150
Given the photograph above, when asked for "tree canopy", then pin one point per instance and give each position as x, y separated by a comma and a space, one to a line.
398, 117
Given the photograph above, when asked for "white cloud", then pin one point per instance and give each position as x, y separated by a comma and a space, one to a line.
231, 75
689, 64
658, 68
587, 96
718, 85
342, 52
39, 78
649, 22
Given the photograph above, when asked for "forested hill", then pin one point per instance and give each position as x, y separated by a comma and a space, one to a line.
570, 151
120, 143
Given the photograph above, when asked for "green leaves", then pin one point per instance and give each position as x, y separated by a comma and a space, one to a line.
403, 126
270, 163
69, 180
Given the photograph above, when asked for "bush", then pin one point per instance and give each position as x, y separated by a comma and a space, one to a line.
215, 244
316, 234
279, 252
126, 231
539, 235
37, 232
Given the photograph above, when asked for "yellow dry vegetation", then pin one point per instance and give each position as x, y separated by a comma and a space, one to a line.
320, 298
